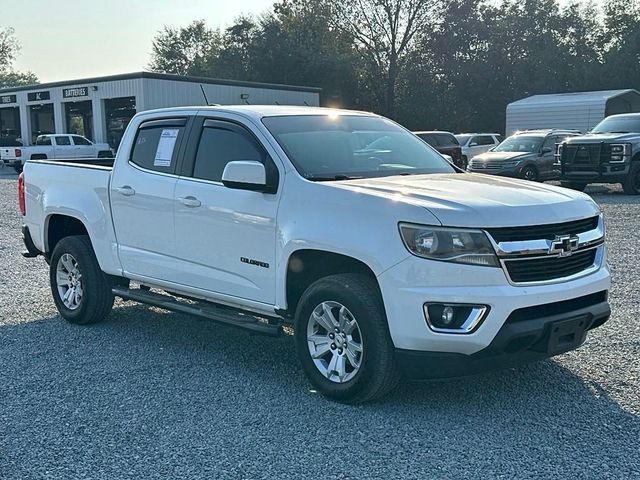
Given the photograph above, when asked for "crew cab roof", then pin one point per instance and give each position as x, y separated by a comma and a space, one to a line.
261, 111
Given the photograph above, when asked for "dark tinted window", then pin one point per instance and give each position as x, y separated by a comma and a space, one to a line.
430, 139
219, 146
43, 141
156, 148
63, 140
550, 142
446, 139
80, 140
483, 140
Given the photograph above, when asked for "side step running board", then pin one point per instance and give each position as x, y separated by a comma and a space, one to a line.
202, 309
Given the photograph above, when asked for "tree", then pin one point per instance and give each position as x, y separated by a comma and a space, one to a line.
184, 50
9, 49
383, 32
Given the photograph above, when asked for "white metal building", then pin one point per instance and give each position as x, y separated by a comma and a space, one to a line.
580, 111
100, 108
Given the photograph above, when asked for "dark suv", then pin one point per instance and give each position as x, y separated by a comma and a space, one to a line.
609, 154
445, 143
529, 154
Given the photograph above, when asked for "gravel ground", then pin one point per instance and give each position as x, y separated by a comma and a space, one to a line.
149, 394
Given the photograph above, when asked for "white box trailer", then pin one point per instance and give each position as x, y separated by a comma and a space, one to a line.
575, 111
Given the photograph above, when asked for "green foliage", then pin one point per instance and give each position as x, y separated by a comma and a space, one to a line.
9, 49
445, 64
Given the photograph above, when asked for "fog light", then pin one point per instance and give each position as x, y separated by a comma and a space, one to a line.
454, 317
447, 315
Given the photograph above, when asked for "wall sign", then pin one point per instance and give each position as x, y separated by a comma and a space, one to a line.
75, 92
4, 99
37, 96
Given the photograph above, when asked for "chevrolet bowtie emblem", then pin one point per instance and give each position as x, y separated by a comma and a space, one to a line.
563, 245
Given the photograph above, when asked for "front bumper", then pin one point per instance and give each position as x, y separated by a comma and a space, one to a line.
528, 334
599, 173
411, 283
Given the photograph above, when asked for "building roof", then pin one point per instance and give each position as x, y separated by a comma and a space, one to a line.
161, 76
558, 99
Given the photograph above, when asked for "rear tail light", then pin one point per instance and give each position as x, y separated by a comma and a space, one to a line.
21, 203
18, 153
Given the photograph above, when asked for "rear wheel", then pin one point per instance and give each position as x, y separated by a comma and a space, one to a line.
529, 173
574, 186
81, 291
343, 341
631, 185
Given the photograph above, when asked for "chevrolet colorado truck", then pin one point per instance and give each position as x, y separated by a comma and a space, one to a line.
54, 146
385, 259
610, 153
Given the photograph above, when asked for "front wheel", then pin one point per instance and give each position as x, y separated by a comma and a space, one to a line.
342, 339
529, 173
631, 185
81, 291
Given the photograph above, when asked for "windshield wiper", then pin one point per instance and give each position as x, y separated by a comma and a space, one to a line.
320, 178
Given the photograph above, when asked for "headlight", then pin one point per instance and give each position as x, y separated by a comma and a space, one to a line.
471, 247
619, 151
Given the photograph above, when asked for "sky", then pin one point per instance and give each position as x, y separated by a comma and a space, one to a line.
73, 39
69, 39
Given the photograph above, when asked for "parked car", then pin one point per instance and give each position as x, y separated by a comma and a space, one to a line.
476, 143
445, 143
383, 257
609, 154
55, 146
530, 155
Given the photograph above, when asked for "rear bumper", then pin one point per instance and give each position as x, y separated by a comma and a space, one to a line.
12, 163
529, 334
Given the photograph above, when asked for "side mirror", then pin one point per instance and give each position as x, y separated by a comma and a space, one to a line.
473, 144
245, 175
546, 150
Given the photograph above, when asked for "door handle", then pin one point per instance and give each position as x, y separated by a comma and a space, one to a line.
190, 201
126, 190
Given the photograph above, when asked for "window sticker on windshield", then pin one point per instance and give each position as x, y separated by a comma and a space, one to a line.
167, 143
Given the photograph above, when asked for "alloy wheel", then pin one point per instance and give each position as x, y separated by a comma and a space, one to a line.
69, 281
334, 340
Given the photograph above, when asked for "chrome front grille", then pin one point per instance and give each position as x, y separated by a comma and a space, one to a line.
550, 253
488, 165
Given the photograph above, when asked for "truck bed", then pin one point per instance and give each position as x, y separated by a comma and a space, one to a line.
80, 162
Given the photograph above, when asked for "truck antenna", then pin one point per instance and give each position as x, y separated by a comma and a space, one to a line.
205, 96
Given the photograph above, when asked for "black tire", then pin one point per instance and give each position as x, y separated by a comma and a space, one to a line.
465, 162
378, 372
105, 154
574, 186
631, 184
96, 300
529, 173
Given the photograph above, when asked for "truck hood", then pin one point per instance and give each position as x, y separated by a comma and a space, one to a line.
500, 155
604, 137
474, 200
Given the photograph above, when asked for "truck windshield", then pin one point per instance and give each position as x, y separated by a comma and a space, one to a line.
618, 125
520, 143
336, 147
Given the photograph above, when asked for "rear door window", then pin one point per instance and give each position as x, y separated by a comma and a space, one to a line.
157, 144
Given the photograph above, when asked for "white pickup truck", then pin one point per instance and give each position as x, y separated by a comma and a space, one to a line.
385, 259
54, 146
